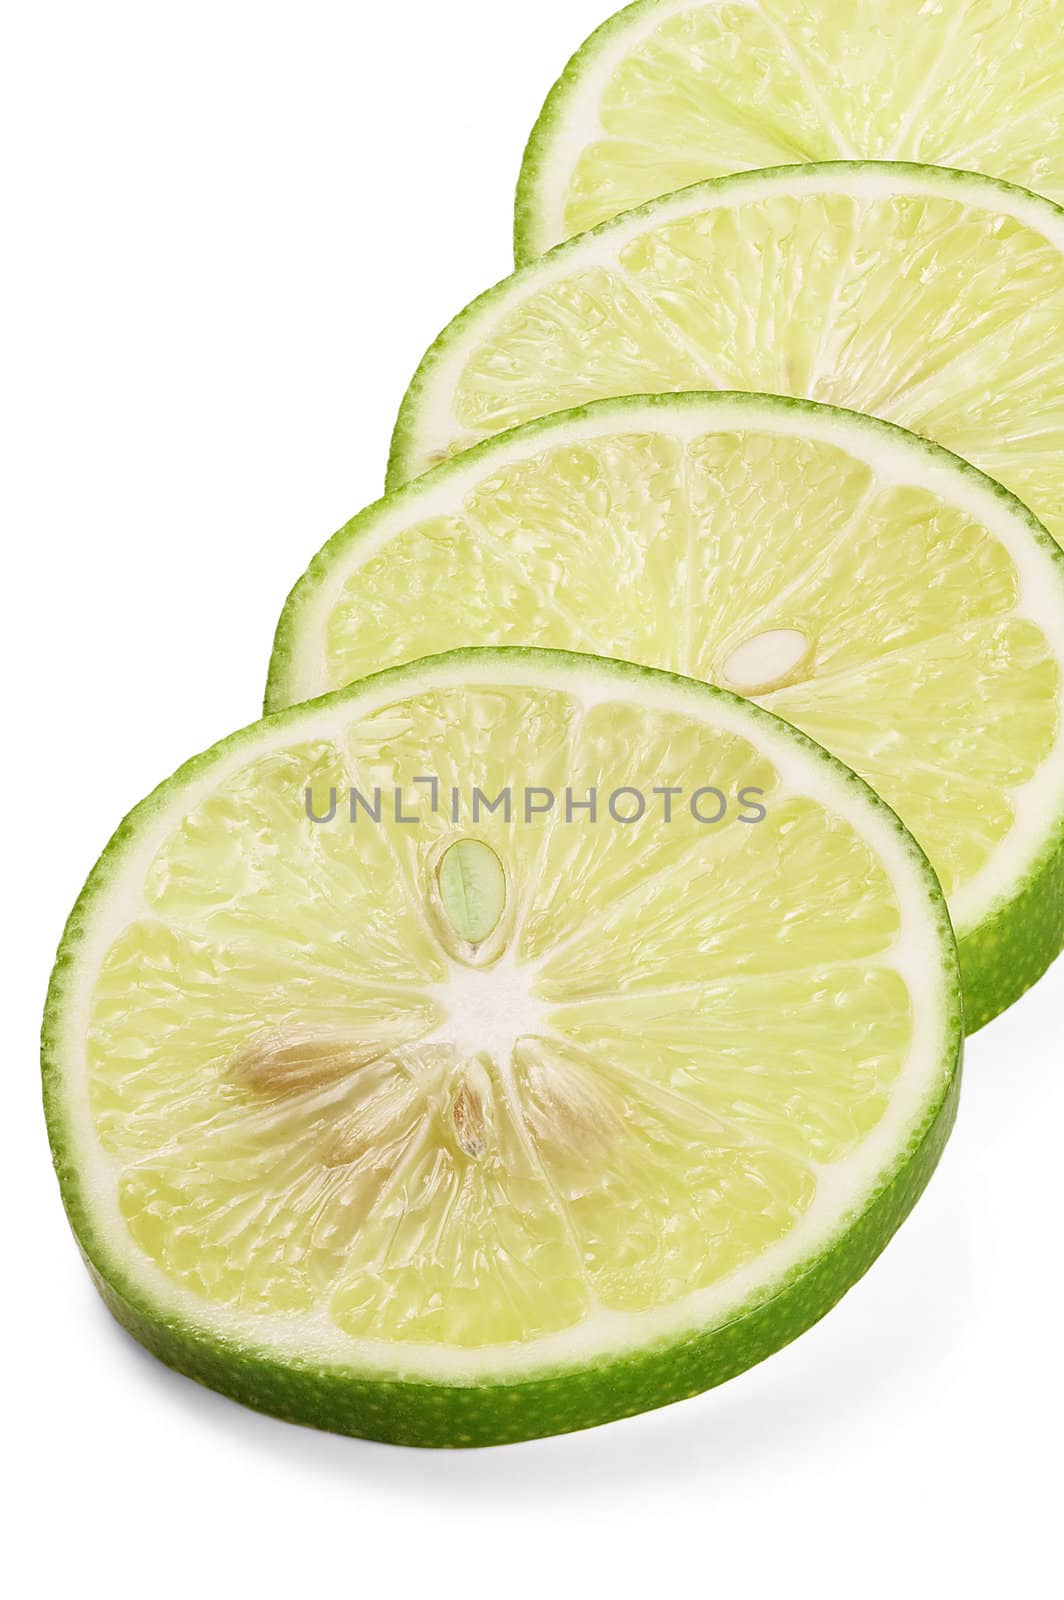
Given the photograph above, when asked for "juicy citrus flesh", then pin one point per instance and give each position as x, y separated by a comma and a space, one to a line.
329, 1103
876, 593
934, 300
671, 92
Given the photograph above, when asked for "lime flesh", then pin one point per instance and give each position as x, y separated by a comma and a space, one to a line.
669, 92
872, 589
341, 1144
933, 299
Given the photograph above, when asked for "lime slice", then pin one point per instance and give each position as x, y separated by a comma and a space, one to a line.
934, 299
457, 1129
874, 590
669, 92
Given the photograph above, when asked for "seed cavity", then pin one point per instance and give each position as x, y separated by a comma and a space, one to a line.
375, 1129
287, 1060
572, 1112
472, 889
767, 661
471, 1110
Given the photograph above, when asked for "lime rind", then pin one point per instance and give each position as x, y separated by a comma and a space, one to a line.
445, 1415
1012, 948
527, 209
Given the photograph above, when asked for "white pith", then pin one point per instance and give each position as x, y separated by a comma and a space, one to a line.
842, 1189
895, 458
488, 1011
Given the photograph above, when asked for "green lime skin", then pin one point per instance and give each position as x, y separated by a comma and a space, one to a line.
536, 1403
1005, 955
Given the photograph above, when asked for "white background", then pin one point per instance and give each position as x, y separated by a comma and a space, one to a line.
230, 231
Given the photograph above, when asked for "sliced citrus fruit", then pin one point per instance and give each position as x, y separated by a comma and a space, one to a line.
668, 92
934, 299
452, 1128
876, 591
